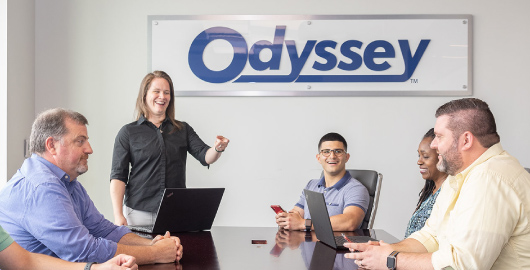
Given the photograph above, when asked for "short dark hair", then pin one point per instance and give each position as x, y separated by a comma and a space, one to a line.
51, 123
332, 136
473, 115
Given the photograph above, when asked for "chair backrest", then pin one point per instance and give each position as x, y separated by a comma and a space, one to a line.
372, 181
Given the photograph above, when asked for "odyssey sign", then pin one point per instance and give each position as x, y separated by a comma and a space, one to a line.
375, 50
348, 55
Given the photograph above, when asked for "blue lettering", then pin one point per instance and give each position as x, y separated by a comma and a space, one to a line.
356, 59
276, 49
331, 59
196, 61
297, 63
370, 54
373, 58
411, 62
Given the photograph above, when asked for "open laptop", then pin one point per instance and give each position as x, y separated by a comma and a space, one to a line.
322, 225
184, 210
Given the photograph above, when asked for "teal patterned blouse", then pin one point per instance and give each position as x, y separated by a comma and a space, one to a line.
417, 221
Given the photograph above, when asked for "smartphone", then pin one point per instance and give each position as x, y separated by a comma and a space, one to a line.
277, 209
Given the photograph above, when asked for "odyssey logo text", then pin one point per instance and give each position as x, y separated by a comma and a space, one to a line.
372, 57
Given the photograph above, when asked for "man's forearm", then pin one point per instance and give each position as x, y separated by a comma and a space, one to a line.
132, 239
349, 220
138, 247
15, 257
409, 245
343, 222
414, 261
165, 250
413, 255
40, 261
143, 254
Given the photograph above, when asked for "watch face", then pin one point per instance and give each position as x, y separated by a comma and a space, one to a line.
391, 262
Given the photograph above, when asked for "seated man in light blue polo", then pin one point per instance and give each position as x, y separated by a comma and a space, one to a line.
346, 198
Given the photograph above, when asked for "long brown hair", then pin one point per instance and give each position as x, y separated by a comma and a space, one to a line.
141, 107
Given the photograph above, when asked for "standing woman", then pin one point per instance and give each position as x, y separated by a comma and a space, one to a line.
155, 146
427, 160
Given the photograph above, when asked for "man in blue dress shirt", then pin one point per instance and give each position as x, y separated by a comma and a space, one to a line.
346, 198
46, 210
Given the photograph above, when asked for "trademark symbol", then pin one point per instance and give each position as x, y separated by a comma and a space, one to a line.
413, 80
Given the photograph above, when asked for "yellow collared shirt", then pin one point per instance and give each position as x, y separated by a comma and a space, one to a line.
481, 219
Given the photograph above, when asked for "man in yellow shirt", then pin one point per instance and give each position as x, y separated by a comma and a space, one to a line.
481, 219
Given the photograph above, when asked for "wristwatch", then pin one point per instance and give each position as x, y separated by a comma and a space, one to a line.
308, 224
308, 236
88, 265
391, 260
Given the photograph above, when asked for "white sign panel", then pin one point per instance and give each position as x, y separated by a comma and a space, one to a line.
392, 55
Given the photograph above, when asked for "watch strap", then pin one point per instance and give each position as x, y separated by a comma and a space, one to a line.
391, 262
308, 236
88, 265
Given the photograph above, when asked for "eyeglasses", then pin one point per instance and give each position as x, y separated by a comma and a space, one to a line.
327, 152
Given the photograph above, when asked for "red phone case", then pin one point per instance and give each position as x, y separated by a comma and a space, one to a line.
277, 209
276, 250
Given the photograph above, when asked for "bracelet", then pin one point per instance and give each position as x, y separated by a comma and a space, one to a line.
218, 150
89, 264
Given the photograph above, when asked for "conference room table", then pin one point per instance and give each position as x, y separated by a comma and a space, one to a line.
237, 248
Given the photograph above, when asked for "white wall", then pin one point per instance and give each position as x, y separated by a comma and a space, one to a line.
18, 78
21, 78
92, 55
3, 92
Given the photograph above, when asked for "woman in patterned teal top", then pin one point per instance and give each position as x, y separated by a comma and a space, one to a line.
427, 160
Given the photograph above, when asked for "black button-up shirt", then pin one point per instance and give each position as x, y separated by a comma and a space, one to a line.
157, 159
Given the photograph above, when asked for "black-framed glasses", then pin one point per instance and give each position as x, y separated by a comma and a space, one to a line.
327, 152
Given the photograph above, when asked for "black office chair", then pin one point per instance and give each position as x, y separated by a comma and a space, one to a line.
372, 181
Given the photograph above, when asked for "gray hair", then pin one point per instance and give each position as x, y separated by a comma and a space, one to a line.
51, 123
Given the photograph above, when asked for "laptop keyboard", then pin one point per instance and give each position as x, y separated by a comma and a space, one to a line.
339, 240
147, 229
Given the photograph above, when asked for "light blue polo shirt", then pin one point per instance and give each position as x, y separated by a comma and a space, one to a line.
346, 192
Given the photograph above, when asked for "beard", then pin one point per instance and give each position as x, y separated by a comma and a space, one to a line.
450, 162
82, 167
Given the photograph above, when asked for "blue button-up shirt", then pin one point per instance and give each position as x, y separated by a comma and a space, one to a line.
348, 191
46, 213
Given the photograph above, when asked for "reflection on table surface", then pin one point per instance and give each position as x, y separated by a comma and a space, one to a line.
234, 248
